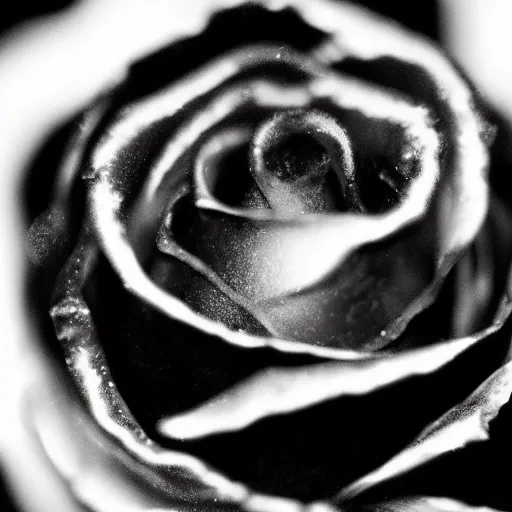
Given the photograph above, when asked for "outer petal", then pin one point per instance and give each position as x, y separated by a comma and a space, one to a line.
425, 504
465, 423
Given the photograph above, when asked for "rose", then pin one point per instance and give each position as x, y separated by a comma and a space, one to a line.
459, 200
68, 306
320, 367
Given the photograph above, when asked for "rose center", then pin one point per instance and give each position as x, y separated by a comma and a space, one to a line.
302, 162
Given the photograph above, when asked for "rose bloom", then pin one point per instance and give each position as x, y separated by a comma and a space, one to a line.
267, 265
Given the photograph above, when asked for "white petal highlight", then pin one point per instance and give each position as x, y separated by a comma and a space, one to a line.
280, 390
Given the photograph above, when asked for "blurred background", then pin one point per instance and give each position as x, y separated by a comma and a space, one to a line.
476, 33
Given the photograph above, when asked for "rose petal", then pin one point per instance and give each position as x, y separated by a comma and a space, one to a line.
465, 423
88, 366
280, 390
349, 27
475, 275
94, 467
424, 504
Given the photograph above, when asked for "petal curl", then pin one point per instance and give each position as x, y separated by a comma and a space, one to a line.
425, 504
465, 423
281, 390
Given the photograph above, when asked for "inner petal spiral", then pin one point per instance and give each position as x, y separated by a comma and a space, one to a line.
292, 154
